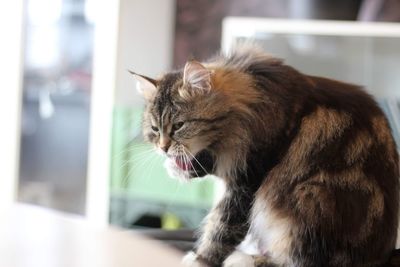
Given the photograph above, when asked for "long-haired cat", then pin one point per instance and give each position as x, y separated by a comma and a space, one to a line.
309, 164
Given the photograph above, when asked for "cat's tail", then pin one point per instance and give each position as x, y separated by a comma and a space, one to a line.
394, 260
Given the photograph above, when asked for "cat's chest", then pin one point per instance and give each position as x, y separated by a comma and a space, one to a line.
269, 233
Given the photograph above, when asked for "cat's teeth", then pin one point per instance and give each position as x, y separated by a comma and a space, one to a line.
183, 165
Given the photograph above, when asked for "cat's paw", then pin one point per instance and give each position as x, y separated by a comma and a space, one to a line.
239, 259
192, 260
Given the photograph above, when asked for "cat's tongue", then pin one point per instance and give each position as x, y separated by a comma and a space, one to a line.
184, 165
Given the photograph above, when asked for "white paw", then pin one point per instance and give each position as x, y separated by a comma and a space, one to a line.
190, 260
238, 259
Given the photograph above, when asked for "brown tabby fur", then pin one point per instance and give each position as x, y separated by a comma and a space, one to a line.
309, 163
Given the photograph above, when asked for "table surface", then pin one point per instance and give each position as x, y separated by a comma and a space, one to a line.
37, 237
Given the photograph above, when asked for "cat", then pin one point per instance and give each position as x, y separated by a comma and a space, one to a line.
309, 164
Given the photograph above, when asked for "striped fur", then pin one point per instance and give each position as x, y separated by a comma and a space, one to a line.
310, 165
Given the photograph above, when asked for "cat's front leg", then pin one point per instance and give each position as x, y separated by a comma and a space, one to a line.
226, 226
239, 259
193, 260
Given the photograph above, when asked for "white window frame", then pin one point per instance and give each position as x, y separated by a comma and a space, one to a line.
11, 23
235, 27
102, 101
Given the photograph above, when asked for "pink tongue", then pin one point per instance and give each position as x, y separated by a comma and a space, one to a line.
182, 164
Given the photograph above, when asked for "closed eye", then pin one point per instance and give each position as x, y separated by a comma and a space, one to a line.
154, 128
177, 126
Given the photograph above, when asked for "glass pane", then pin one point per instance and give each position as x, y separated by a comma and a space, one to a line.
56, 104
368, 61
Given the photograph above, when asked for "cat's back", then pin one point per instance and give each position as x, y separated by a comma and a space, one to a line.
343, 96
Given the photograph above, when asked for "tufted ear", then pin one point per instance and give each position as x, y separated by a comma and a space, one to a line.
146, 86
197, 76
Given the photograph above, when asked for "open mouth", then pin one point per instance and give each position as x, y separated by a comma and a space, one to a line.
183, 163
200, 165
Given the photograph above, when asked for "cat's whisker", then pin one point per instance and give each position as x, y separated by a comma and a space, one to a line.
182, 156
187, 150
143, 162
138, 157
130, 148
132, 157
138, 163
144, 152
187, 162
133, 163
190, 162
152, 164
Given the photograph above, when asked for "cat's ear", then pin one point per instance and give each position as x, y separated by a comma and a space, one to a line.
197, 76
146, 86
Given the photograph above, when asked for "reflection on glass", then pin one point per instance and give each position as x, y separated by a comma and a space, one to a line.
56, 102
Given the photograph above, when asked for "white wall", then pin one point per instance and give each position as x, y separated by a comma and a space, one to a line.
145, 44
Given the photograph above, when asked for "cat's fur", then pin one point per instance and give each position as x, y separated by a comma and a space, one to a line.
309, 163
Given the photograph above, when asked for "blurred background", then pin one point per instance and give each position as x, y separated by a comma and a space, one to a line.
78, 145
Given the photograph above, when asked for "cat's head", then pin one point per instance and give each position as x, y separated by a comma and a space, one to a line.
191, 120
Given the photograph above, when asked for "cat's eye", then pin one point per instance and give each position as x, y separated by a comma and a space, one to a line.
177, 126
154, 128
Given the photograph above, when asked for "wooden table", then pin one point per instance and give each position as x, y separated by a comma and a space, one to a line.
36, 237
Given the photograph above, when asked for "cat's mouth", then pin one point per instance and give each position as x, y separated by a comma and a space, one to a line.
199, 165
183, 163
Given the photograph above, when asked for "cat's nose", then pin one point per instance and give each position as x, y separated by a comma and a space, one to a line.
165, 148
164, 144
